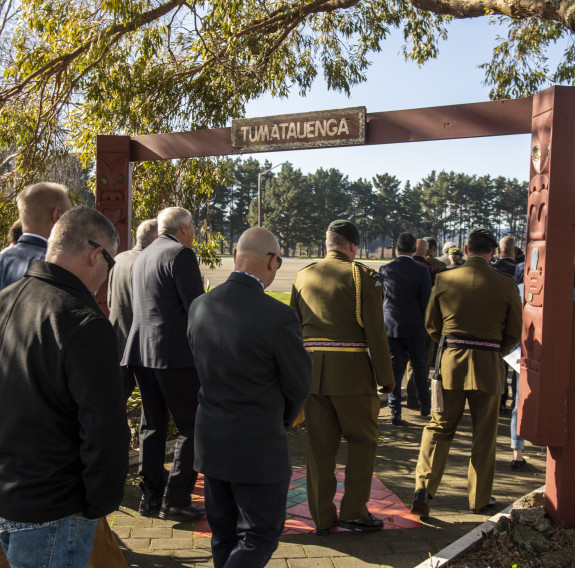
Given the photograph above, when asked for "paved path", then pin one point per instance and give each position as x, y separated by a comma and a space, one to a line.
284, 276
156, 543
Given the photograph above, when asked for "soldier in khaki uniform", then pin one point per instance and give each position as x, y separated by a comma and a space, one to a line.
339, 303
431, 253
476, 311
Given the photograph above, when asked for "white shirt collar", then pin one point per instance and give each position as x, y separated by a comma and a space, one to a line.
252, 276
35, 235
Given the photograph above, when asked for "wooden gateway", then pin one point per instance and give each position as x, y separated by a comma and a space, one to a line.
547, 378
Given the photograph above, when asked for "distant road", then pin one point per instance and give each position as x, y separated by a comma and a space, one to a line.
284, 276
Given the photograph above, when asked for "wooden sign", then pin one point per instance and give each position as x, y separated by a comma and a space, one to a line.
327, 128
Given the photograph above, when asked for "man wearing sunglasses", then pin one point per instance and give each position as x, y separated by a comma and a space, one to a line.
165, 280
64, 437
255, 377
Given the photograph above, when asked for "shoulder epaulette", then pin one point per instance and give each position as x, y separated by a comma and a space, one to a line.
308, 265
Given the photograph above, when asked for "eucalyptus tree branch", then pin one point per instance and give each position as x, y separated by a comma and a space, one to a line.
562, 11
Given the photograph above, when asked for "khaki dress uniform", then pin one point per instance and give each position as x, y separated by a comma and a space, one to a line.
436, 262
478, 303
340, 306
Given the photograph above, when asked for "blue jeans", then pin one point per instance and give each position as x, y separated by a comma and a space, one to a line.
67, 543
517, 442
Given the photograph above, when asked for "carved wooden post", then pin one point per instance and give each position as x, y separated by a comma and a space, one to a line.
114, 191
546, 395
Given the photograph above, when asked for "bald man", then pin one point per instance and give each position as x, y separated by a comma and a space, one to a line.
255, 377
39, 208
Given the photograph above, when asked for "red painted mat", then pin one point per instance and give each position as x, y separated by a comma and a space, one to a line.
383, 504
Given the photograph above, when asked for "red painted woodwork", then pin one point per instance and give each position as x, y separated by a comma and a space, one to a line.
113, 191
494, 118
545, 394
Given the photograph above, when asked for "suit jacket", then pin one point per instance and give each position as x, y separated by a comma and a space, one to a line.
506, 265
324, 295
16, 260
119, 295
406, 289
165, 280
255, 377
474, 301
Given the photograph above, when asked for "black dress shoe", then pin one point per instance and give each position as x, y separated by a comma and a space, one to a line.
150, 506
365, 524
518, 465
420, 505
182, 513
326, 532
483, 510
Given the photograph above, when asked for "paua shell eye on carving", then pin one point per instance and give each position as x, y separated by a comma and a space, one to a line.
103, 180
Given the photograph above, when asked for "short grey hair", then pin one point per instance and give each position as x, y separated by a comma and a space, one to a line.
171, 218
334, 241
147, 232
76, 227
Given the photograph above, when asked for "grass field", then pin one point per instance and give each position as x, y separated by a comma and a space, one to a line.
281, 296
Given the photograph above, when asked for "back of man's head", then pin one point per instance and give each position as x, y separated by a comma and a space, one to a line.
40, 205
432, 244
147, 232
507, 247
421, 247
171, 219
15, 232
340, 233
406, 243
257, 253
72, 233
480, 240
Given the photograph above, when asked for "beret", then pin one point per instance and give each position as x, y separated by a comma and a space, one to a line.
455, 250
346, 229
482, 232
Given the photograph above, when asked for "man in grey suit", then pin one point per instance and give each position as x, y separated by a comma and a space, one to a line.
165, 280
255, 376
406, 289
120, 291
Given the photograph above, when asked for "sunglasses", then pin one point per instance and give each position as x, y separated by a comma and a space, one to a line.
280, 259
107, 256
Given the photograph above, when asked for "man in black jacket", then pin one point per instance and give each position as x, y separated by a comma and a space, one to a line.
406, 289
255, 376
64, 437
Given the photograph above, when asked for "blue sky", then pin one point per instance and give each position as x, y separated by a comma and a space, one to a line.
393, 83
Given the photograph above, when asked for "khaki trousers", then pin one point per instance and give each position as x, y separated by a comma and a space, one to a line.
439, 433
327, 419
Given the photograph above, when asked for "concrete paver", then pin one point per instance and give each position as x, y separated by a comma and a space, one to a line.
149, 542
188, 545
